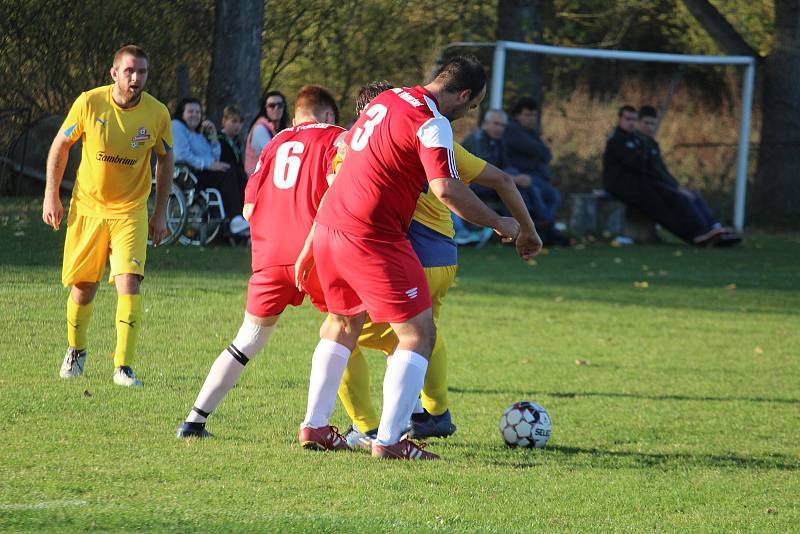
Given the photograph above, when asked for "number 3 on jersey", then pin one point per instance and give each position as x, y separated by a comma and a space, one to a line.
360, 138
287, 164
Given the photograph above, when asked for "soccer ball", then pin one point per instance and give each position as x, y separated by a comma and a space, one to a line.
525, 424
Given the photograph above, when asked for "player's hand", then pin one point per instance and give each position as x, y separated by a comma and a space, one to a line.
52, 211
247, 211
219, 166
507, 228
158, 227
528, 244
304, 265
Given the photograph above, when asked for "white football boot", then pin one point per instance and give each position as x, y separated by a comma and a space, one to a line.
357, 439
74, 360
124, 376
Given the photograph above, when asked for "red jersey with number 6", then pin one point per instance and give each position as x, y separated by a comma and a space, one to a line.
399, 143
286, 188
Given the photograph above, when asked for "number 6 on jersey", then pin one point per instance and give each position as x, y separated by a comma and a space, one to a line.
287, 164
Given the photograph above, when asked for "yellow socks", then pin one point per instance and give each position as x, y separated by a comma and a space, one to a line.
78, 316
434, 392
128, 322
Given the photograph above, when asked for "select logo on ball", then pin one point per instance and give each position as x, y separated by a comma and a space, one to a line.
525, 424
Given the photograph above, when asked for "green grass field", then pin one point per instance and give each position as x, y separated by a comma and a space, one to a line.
687, 417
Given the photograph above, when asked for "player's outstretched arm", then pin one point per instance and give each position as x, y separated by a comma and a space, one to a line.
158, 221
528, 242
457, 196
52, 209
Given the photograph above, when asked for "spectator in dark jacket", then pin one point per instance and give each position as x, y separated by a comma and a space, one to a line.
634, 172
487, 143
230, 143
530, 155
657, 171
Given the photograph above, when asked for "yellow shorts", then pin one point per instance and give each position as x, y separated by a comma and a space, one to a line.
380, 336
91, 241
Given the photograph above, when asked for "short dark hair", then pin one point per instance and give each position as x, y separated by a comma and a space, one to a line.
232, 111
317, 100
625, 108
132, 50
370, 91
182, 105
648, 111
526, 102
460, 73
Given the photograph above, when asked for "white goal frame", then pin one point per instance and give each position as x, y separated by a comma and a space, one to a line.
498, 82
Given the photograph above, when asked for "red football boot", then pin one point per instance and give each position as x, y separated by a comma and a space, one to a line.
326, 438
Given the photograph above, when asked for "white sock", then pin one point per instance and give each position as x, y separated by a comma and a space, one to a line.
227, 369
327, 369
405, 376
418, 406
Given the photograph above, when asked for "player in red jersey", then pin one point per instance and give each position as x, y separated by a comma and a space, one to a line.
281, 199
400, 145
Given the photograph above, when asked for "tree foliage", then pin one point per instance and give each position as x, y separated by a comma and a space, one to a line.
350, 43
53, 50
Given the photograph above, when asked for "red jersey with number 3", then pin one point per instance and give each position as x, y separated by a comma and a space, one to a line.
399, 143
286, 188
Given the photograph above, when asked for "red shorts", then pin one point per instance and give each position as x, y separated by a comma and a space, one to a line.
357, 274
272, 289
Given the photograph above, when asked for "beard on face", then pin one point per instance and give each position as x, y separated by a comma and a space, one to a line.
457, 112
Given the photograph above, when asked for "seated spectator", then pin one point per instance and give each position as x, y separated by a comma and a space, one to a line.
229, 142
196, 145
634, 172
272, 118
657, 170
487, 143
530, 155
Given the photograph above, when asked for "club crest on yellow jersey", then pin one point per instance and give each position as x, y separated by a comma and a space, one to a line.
140, 138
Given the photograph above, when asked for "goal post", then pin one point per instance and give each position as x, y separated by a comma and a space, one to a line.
498, 81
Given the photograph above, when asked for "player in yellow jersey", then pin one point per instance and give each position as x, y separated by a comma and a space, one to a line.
431, 234
120, 126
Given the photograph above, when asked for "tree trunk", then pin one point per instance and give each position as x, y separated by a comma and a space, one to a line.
520, 20
235, 77
718, 27
775, 196
776, 191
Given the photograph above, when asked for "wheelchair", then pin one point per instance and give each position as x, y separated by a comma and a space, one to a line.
195, 216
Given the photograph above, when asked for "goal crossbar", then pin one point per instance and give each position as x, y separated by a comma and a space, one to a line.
498, 82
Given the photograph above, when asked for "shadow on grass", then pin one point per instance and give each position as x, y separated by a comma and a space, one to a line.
600, 458
767, 267
611, 394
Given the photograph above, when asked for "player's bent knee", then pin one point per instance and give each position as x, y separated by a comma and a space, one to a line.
417, 334
249, 341
128, 284
83, 292
338, 325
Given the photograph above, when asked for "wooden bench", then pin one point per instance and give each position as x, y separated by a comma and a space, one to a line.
599, 214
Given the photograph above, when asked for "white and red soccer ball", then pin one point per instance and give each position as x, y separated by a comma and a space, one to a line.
525, 424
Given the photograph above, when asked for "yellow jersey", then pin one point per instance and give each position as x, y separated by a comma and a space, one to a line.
430, 211
114, 175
